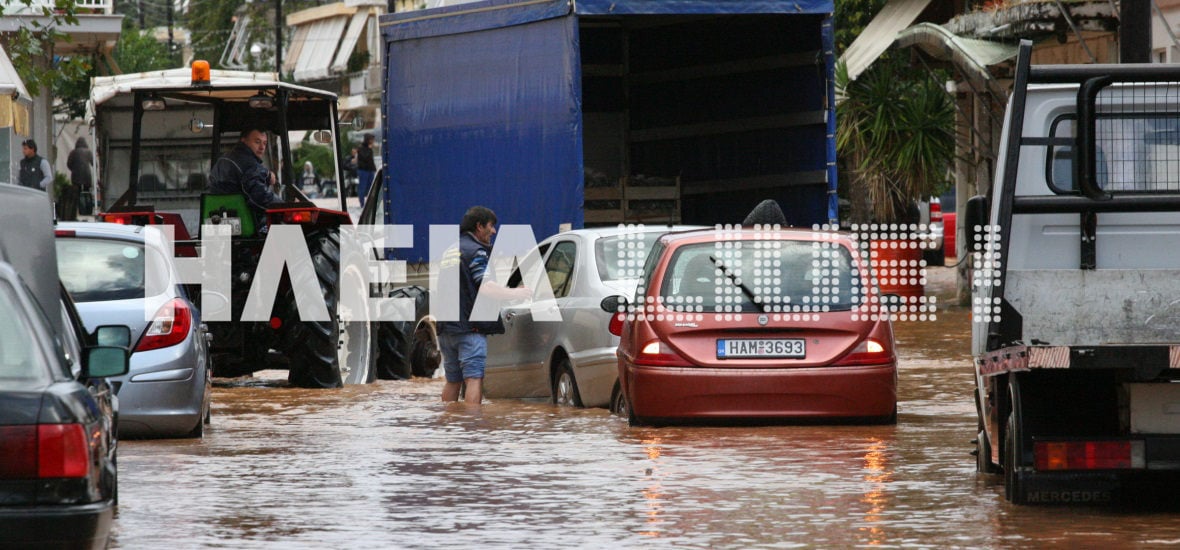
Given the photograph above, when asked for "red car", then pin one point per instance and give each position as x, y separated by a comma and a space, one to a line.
742, 323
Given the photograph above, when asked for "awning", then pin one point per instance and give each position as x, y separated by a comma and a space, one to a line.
356, 26
971, 57
15, 100
879, 34
319, 48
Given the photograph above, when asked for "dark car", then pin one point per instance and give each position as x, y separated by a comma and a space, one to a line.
746, 323
58, 445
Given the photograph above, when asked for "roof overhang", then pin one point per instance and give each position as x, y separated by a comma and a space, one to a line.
93, 34
972, 58
879, 34
1037, 20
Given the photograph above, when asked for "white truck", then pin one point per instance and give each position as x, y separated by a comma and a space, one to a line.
1076, 307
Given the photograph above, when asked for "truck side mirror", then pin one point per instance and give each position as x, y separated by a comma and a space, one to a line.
978, 215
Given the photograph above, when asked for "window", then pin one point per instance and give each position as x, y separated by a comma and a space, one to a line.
560, 268
102, 270
762, 276
622, 256
1134, 152
19, 357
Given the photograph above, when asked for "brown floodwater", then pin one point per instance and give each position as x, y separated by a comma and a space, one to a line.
388, 466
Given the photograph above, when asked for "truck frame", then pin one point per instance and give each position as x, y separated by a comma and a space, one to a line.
1076, 339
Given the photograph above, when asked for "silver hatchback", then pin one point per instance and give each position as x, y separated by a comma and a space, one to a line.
571, 361
168, 389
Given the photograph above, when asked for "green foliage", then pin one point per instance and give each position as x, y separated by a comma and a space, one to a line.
320, 156
895, 131
850, 19
139, 51
358, 61
31, 46
210, 23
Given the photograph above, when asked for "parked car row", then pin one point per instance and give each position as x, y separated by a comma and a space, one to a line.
81, 365
58, 410
703, 334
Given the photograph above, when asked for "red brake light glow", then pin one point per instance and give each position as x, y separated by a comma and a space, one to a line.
299, 216
1088, 455
170, 326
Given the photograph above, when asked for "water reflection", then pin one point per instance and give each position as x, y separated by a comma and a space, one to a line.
389, 466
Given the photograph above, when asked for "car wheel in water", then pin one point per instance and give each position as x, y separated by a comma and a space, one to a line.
618, 403
565, 386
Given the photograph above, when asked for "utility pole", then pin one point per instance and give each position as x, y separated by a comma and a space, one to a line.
279, 37
1134, 31
170, 46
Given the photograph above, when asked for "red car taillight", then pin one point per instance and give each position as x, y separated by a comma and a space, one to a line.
1088, 455
44, 451
169, 327
869, 352
659, 354
616, 324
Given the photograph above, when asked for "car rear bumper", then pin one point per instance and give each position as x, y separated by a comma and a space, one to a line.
76, 526
160, 409
789, 393
596, 371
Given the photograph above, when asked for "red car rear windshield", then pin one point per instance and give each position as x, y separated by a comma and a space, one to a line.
762, 276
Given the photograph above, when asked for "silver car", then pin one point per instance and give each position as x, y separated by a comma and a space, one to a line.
571, 361
168, 389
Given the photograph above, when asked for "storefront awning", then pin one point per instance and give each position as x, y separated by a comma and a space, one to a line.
319, 47
356, 26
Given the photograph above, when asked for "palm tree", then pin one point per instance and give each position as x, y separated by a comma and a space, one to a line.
895, 132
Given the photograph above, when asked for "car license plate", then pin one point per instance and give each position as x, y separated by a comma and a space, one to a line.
741, 348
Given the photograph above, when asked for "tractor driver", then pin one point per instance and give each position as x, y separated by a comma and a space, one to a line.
241, 171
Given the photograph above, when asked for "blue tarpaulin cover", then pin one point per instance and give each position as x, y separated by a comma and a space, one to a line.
483, 106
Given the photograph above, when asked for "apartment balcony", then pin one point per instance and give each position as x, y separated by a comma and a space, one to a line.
96, 32
84, 7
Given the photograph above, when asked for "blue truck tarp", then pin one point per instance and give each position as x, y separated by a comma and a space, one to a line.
489, 102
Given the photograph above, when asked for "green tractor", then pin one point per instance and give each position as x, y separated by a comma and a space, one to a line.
158, 135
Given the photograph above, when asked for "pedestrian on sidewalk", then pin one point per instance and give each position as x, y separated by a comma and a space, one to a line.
79, 163
366, 167
35, 172
464, 342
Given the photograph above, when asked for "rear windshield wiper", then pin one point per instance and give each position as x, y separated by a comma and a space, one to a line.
740, 284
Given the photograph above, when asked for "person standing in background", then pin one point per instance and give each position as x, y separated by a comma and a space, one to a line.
35, 172
366, 167
79, 162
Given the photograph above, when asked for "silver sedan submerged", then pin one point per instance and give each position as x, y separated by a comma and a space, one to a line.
571, 361
106, 267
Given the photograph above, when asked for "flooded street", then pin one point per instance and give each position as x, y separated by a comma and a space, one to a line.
388, 466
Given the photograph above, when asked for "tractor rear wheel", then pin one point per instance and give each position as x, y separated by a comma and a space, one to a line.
327, 354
